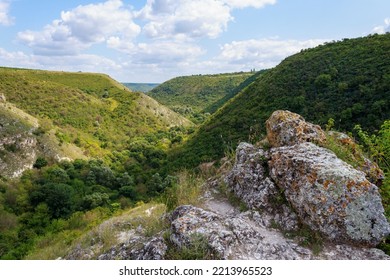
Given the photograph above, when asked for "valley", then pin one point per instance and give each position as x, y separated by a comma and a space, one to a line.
82, 156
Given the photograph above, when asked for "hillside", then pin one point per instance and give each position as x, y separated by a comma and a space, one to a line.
142, 87
348, 81
92, 111
197, 95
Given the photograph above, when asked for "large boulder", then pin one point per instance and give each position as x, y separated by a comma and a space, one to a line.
329, 195
249, 180
285, 128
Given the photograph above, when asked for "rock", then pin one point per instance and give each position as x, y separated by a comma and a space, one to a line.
2, 98
329, 195
285, 128
245, 237
155, 249
373, 173
239, 237
249, 180
137, 247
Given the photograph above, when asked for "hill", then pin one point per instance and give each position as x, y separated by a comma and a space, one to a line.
197, 95
91, 113
348, 81
142, 87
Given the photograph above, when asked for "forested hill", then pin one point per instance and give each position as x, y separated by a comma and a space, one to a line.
92, 111
348, 81
197, 95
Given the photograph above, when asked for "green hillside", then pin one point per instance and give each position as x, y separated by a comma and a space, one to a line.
91, 111
348, 81
197, 95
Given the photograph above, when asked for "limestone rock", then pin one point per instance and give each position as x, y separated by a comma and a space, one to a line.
329, 195
285, 128
249, 180
233, 237
137, 249
244, 236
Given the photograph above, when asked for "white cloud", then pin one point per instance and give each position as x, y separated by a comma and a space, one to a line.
81, 27
82, 62
15, 59
156, 52
185, 18
382, 29
249, 3
5, 18
263, 53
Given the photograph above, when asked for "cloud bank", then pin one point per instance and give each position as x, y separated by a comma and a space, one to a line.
5, 18
161, 40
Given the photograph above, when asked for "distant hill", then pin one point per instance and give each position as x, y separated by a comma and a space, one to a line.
197, 95
90, 111
348, 81
142, 87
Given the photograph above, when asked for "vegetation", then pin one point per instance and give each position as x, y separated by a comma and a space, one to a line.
91, 111
348, 81
198, 96
131, 146
142, 87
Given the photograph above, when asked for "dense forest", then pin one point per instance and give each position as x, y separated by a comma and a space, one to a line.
198, 96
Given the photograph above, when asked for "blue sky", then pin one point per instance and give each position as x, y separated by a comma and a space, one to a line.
155, 40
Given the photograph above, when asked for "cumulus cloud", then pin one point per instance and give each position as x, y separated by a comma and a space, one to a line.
263, 53
5, 18
382, 29
82, 27
185, 18
192, 19
156, 52
249, 3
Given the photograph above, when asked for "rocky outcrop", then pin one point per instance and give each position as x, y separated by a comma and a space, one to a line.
302, 203
248, 236
285, 128
329, 195
310, 184
250, 181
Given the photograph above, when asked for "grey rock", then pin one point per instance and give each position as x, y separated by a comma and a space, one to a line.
250, 181
249, 178
329, 195
285, 128
245, 236
137, 248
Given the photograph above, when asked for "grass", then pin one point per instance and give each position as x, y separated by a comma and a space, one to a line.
95, 231
186, 190
197, 249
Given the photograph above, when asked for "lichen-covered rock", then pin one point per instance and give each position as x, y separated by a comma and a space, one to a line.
245, 236
329, 195
241, 236
249, 180
285, 128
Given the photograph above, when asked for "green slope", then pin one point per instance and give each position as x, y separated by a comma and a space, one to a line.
195, 96
348, 81
92, 111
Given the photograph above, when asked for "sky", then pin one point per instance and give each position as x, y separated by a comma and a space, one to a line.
151, 41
